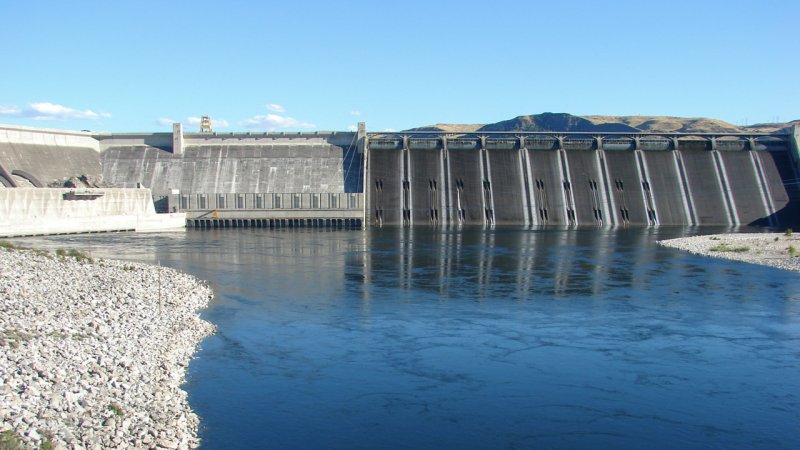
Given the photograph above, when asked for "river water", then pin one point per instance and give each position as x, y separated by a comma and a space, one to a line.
481, 339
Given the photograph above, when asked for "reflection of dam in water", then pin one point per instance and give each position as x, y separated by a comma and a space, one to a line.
582, 179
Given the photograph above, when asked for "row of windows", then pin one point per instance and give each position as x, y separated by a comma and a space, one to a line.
270, 201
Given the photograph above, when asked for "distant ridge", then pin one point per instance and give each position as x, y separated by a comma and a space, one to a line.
564, 122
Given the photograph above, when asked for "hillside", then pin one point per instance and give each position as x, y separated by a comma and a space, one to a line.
568, 122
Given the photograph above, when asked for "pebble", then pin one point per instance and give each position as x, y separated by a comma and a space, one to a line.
769, 249
85, 349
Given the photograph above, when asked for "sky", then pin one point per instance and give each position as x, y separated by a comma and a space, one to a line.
139, 66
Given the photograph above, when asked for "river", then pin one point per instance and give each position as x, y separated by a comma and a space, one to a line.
482, 339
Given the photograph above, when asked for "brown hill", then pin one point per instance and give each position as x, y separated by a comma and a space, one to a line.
563, 122
669, 124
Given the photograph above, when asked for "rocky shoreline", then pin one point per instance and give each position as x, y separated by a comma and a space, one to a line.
93, 353
769, 249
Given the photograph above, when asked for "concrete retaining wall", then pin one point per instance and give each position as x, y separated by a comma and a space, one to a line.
31, 211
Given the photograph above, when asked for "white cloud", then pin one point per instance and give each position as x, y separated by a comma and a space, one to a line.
352, 128
274, 107
273, 122
51, 111
355, 113
163, 121
9, 111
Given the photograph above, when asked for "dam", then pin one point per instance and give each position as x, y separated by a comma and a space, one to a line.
418, 178
578, 179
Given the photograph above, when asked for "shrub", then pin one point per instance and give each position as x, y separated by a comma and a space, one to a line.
9, 440
78, 255
792, 251
13, 338
47, 442
788, 232
7, 245
116, 409
728, 248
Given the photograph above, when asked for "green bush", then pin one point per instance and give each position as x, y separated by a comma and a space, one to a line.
13, 338
9, 440
116, 409
7, 245
47, 442
792, 251
728, 248
78, 255
788, 232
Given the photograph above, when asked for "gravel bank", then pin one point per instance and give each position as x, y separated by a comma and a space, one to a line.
92, 356
769, 249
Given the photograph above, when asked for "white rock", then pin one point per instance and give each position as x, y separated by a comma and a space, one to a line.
96, 334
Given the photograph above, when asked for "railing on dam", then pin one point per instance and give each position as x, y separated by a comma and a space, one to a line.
219, 210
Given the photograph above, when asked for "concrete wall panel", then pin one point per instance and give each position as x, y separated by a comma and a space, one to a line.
665, 187
547, 187
626, 186
507, 186
426, 184
744, 187
385, 185
465, 171
583, 171
707, 196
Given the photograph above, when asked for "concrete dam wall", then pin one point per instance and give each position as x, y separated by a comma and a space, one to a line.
547, 179
31, 156
320, 162
235, 163
428, 178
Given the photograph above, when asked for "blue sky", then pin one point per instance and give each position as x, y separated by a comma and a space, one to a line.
321, 65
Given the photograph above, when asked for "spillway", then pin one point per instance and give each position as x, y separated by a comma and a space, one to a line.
578, 179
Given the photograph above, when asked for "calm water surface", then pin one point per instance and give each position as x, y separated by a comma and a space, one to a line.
482, 339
